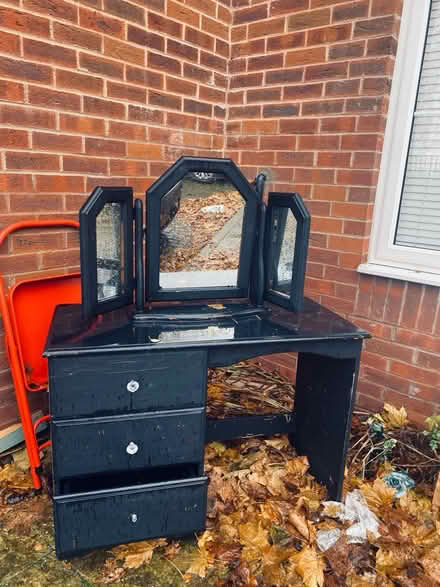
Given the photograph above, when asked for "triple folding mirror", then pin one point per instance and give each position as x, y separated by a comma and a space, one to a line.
208, 236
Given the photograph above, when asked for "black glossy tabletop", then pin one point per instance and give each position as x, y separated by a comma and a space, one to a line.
194, 326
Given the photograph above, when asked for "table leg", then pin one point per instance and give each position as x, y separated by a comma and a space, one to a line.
324, 399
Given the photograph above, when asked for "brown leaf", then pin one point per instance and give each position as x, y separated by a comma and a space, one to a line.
431, 563
394, 418
200, 564
378, 495
310, 565
137, 553
13, 477
436, 498
300, 524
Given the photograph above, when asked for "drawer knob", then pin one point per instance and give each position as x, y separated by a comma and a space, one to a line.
133, 518
132, 448
132, 386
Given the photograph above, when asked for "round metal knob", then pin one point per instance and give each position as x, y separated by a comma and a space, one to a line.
132, 386
133, 518
132, 448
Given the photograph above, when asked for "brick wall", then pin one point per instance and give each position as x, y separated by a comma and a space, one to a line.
96, 92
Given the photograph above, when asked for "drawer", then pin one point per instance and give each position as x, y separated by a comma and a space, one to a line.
84, 521
125, 443
117, 383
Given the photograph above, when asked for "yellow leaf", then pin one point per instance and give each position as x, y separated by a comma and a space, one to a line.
200, 564
12, 477
137, 553
310, 566
300, 524
393, 417
436, 498
278, 443
298, 466
378, 495
431, 563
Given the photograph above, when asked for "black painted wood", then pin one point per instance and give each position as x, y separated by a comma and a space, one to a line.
124, 443
324, 399
105, 518
243, 426
97, 385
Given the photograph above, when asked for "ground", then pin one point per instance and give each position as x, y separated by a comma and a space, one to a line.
266, 513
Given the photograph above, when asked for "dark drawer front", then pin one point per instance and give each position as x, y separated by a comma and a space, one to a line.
104, 445
116, 383
99, 519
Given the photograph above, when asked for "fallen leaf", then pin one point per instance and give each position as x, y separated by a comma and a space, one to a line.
436, 498
310, 566
378, 495
13, 477
431, 563
200, 564
394, 418
300, 523
136, 554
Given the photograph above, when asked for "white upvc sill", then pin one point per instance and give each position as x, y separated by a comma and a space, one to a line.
400, 273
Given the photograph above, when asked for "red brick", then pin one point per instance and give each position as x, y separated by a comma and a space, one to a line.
259, 127
37, 50
215, 27
26, 242
182, 50
183, 14
355, 177
101, 23
281, 42
369, 67
383, 7
180, 86
258, 158
243, 142
104, 147
79, 81
122, 130
164, 25
371, 123
250, 14
162, 63
322, 107
330, 34
413, 373
428, 309
58, 10
19, 263
16, 183
196, 107
341, 125
39, 161
144, 77
261, 95
327, 71
314, 176
123, 51
361, 142
369, 105
418, 340
266, 27
374, 26
326, 226
71, 35
411, 305
287, 6
347, 50
10, 137
280, 110
85, 165
309, 19
265, 62
29, 117
125, 92
145, 38
284, 76
333, 159
60, 259
144, 151
319, 142
22, 21
213, 61
277, 143
382, 46
245, 81
428, 361
211, 95
342, 88
182, 121
101, 66
305, 56
125, 10
10, 43
299, 126
82, 124
150, 115
103, 107
164, 100
59, 183
350, 11
124, 167
24, 70
56, 142
376, 85
12, 91
366, 160
199, 38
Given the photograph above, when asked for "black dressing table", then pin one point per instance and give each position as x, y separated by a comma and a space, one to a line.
128, 383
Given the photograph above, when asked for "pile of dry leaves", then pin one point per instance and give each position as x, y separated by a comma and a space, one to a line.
268, 519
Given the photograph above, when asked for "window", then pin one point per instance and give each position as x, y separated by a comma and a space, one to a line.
405, 240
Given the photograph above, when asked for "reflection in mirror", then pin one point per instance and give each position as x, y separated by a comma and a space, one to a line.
283, 250
201, 221
109, 251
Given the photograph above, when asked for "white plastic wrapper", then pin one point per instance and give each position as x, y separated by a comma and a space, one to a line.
355, 510
214, 209
325, 539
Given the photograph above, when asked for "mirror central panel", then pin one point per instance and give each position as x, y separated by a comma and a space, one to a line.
201, 224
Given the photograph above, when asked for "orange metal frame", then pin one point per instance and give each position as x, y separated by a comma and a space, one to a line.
26, 331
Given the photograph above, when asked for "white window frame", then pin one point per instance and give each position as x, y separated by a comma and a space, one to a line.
386, 258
